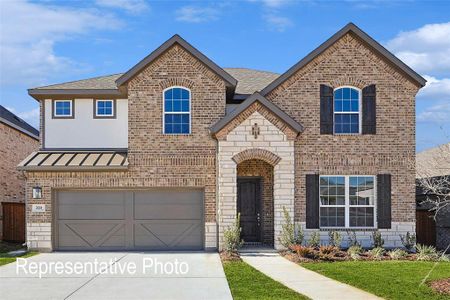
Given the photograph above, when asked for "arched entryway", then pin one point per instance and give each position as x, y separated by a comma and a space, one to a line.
255, 201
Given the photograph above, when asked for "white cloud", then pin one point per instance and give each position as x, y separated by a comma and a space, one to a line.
436, 89
131, 6
426, 50
275, 3
439, 113
29, 31
277, 23
192, 14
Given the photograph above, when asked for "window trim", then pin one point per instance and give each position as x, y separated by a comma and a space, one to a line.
347, 203
114, 109
181, 113
72, 109
342, 112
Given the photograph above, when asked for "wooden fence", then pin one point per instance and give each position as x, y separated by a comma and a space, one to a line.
13, 222
425, 228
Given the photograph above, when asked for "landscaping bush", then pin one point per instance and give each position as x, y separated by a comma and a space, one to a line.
303, 251
377, 240
352, 241
299, 235
314, 240
232, 236
408, 241
376, 253
287, 238
397, 254
355, 252
427, 253
335, 238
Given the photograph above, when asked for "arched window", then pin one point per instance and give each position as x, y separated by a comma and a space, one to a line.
347, 108
177, 111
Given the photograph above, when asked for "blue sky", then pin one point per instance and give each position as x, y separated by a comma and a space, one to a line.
45, 42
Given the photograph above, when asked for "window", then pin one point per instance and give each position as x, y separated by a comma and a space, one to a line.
104, 109
347, 103
177, 111
347, 201
62, 109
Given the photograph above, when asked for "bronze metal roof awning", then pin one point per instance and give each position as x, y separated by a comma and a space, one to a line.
74, 161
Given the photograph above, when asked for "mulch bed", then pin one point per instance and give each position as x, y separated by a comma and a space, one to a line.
229, 256
441, 286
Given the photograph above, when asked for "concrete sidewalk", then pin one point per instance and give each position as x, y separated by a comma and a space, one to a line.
301, 280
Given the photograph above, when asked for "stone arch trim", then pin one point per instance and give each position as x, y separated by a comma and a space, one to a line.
176, 82
256, 153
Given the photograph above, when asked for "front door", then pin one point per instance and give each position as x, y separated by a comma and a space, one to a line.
249, 206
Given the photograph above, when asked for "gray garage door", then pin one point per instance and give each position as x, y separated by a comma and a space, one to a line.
130, 220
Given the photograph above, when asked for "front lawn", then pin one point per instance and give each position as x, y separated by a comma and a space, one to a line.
387, 279
6, 247
248, 283
6, 259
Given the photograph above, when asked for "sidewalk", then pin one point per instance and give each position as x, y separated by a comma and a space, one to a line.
301, 280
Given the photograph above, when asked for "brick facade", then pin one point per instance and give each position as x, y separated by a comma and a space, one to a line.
14, 147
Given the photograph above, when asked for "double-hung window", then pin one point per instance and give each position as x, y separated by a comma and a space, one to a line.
63, 109
177, 111
347, 107
347, 201
104, 109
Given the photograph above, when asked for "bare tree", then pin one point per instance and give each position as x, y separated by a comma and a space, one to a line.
433, 178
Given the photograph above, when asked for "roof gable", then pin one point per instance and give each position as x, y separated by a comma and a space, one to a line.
257, 97
377, 47
17, 123
176, 39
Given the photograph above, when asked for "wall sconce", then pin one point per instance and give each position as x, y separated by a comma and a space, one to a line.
37, 192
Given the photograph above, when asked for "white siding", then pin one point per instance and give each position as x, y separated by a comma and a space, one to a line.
84, 131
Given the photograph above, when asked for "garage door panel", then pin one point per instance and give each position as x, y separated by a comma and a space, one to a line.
91, 235
91, 205
126, 220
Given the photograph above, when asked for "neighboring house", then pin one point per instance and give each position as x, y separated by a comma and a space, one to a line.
164, 156
433, 167
17, 140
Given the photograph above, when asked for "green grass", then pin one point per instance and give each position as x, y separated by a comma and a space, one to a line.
248, 283
5, 259
387, 279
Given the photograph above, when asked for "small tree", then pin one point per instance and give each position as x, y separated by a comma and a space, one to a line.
335, 238
408, 241
287, 238
352, 241
232, 236
378, 241
314, 240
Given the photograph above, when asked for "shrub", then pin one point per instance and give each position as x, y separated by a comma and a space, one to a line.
314, 240
397, 254
408, 241
354, 252
303, 251
425, 252
377, 253
232, 236
378, 241
327, 253
298, 239
287, 238
335, 238
352, 241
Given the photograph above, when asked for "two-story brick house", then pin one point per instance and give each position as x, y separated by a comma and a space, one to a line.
164, 156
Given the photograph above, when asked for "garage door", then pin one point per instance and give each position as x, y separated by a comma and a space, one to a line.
130, 220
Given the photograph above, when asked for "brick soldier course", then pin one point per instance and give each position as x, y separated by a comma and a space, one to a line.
223, 146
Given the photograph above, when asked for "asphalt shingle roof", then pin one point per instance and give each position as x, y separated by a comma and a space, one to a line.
249, 81
12, 120
433, 162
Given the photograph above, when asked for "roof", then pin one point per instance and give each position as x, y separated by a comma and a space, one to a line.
248, 82
433, 162
257, 97
17, 123
74, 161
350, 27
176, 39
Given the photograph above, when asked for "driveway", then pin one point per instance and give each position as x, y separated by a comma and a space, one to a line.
115, 275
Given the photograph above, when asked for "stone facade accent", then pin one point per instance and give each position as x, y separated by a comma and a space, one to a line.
210, 235
270, 139
14, 147
391, 236
39, 236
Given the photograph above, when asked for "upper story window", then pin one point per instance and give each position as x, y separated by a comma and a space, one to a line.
63, 109
347, 201
347, 110
104, 109
177, 111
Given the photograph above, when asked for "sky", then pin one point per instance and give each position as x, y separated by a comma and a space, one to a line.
47, 42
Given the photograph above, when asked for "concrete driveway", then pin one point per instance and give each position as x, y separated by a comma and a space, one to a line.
115, 275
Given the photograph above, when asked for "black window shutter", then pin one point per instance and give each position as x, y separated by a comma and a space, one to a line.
312, 201
369, 110
384, 201
326, 109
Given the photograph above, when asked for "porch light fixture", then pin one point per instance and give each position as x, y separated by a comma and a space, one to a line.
37, 192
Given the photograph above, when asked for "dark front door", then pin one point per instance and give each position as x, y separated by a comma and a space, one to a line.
249, 206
